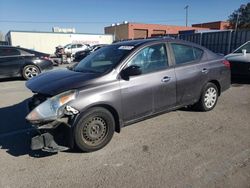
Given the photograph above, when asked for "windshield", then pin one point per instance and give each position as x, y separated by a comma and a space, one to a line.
67, 45
245, 46
104, 59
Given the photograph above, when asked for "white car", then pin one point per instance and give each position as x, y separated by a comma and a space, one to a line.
73, 48
240, 60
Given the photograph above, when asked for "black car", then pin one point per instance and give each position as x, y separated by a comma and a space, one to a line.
121, 84
21, 62
84, 53
240, 61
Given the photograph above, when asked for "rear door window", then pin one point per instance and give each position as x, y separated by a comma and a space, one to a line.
8, 52
185, 54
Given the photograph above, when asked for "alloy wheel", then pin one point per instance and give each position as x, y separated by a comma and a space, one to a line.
210, 97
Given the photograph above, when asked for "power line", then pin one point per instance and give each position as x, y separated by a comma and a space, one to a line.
89, 22
48, 22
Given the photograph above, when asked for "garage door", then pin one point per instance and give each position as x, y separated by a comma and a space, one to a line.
140, 33
159, 32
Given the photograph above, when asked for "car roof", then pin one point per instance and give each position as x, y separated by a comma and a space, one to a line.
24, 49
139, 42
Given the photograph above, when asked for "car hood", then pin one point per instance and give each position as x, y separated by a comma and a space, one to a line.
54, 82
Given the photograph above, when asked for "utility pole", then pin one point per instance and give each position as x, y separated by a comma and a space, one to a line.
186, 7
236, 24
239, 13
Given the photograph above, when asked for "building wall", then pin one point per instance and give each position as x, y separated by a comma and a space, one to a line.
220, 25
46, 41
120, 32
138, 30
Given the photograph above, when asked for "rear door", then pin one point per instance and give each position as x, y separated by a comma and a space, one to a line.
190, 73
154, 89
11, 62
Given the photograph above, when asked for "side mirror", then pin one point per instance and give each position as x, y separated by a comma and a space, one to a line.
130, 71
244, 51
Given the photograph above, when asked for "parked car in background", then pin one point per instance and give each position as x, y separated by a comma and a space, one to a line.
240, 60
121, 84
84, 53
21, 62
73, 48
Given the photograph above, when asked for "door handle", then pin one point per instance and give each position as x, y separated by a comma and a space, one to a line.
205, 71
165, 79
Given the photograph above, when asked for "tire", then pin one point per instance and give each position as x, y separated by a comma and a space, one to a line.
208, 98
30, 71
94, 129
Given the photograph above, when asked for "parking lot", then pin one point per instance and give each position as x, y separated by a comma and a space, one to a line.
178, 149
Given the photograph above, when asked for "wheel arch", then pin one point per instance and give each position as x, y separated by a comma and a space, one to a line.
111, 109
29, 63
217, 83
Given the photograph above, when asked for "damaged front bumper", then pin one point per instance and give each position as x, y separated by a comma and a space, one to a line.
53, 135
46, 142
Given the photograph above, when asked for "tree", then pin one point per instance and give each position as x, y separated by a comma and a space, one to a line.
240, 18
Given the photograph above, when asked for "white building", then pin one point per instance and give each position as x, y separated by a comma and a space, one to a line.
47, 41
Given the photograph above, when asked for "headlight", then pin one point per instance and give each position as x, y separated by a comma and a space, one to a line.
52, 108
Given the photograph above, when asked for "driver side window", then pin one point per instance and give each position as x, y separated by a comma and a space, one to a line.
150, 59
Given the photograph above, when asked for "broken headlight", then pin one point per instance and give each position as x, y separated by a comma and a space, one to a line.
52, 108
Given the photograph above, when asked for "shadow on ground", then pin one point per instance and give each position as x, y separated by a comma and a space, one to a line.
11, 79
15, 132
238, 81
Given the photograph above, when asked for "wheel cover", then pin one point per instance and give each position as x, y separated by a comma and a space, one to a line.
30, 72
210, 97
94, 131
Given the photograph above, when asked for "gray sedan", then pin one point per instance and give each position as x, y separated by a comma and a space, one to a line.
119, 85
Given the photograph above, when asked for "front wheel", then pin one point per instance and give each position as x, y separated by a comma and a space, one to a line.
94, 129
208, 98
29, 71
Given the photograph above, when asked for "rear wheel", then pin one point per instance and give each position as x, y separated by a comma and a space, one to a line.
94, 129
30, 71
208, 98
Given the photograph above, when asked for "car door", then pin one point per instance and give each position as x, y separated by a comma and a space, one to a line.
10, 62
152, 91
190, 73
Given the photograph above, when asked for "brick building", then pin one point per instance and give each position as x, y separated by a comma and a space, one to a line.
138, 30
219, 25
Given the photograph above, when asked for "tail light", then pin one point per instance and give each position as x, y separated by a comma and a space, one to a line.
226, 63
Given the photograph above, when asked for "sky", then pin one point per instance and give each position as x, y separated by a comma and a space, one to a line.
91, 16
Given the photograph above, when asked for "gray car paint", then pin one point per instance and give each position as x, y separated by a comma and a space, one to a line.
145, 95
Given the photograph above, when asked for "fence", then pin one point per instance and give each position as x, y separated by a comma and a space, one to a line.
3, 43
223, 42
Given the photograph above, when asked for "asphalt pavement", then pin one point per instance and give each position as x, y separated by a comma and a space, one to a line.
182, 148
